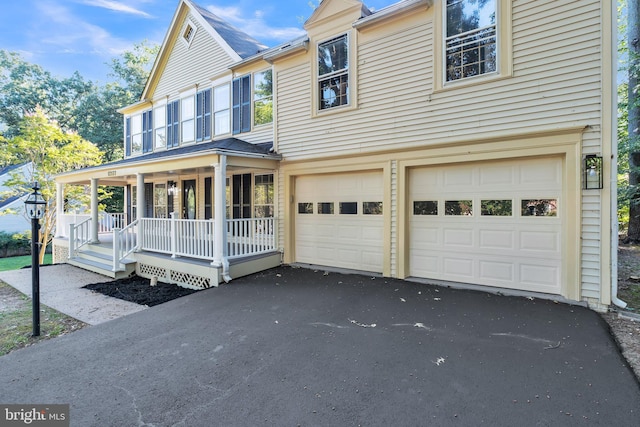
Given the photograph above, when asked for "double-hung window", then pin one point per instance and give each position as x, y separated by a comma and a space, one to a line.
173, 124
242, 105
263, 97
221, 110
471, 38
136, 134
333, 72
159, 122
203, 115
187, 119
147, 131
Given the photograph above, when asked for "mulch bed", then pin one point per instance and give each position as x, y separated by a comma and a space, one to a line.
138, 289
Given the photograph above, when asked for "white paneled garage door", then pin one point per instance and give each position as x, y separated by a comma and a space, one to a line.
496, 223
339, 220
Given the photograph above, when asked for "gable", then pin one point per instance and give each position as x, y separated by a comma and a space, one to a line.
331, 10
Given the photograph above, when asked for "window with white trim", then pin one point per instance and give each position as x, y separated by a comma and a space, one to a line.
470, 38
221, 110
187, 119
188, 33
333, 72
136, 134
263, 97
160, 121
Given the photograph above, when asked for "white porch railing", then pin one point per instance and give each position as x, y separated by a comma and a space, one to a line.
125, 242
79, 235
193, 238
251, 236
108, 221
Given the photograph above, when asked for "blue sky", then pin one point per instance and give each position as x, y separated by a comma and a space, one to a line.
64, 36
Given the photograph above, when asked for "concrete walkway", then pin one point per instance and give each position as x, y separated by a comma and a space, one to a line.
290, 347
61, 289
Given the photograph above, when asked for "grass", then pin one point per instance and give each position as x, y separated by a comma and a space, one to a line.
18, 262
16, 321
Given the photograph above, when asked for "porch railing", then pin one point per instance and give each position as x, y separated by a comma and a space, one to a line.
108, 221
194, 238
125, 242
250, 236
79, 235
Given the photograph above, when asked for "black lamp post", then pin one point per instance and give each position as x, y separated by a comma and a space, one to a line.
34, 206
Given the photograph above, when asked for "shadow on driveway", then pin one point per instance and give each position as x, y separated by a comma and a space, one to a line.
298, 347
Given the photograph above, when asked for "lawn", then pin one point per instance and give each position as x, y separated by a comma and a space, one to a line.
17, 262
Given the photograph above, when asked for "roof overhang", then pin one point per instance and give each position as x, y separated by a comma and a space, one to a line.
391, 11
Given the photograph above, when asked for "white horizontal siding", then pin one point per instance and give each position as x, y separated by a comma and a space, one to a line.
196, 64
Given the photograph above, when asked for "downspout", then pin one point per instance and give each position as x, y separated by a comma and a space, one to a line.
614, 164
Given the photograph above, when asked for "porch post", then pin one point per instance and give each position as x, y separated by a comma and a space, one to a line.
220, 211
59, 208
140, 207
94, 210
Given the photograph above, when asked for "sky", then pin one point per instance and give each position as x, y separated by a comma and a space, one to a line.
64, 36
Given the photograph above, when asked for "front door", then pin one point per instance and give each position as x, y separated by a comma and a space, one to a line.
189, 199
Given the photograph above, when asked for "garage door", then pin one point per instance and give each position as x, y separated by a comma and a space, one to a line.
339, 220
496, 224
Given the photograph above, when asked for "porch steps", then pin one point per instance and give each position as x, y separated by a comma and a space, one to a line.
98, 259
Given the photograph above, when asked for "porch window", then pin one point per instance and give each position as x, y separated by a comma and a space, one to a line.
263, 196
136, 134
187, 119
134, 202
173, 124
263, 97
221, 110
333, 72
470, 38
159, 121
203, 115
160, 201
242, 105
147, 131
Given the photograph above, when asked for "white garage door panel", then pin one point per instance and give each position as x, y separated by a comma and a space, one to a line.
353, 241
514, 251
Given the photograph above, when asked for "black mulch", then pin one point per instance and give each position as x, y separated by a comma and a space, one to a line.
138, 289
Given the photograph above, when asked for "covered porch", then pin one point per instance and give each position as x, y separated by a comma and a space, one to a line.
194, 216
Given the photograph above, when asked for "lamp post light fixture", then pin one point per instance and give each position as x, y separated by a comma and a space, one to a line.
34, 207
592, 172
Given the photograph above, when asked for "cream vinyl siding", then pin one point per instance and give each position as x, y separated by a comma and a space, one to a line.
196, 64
555, 84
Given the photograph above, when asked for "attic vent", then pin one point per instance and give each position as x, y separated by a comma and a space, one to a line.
188, 33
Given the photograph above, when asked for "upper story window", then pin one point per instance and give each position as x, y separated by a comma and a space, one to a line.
203, 115
470, 38
160, 121
136, 134
242, 105
263, 97
187, 119
188, 33
221, 110
173, 124
333, 72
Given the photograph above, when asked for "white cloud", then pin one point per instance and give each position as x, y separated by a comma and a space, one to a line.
116, 6
256, 25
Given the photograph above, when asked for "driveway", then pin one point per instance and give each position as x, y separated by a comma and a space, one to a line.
301, 347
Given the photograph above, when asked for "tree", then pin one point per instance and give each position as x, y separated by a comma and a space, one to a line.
633, 117
51, 151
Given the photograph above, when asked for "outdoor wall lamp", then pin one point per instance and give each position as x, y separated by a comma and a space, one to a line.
592, 172
34, 206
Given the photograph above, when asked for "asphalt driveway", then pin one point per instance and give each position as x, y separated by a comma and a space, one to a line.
300, 347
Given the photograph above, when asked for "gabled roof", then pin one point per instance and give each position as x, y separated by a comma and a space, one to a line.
236, 43
9, 200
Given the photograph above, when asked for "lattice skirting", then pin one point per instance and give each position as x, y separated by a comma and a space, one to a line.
60, 254
185, 280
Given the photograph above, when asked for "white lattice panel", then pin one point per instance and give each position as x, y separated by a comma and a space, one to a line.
190, 281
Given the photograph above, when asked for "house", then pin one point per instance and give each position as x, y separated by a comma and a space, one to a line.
12, 219
461, 142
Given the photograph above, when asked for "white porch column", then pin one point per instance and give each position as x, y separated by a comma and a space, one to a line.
94, 210
140, 207
59, 208
220, 210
